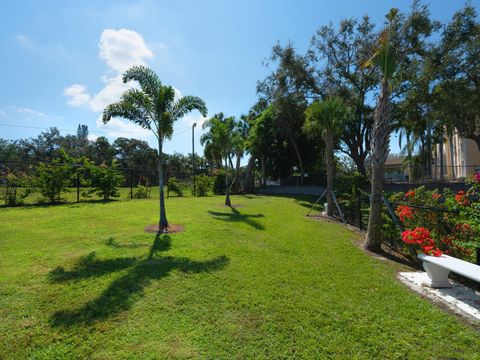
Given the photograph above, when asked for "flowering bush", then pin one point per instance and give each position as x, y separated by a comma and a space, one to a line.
436, 224
421, 236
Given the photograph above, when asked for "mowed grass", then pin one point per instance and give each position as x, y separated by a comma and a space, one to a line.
259, 281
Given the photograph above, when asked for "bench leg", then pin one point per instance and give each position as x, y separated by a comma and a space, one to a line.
438, 276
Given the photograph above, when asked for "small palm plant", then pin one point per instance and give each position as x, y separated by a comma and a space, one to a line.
385, 59
153, 106
326, 118
220, 139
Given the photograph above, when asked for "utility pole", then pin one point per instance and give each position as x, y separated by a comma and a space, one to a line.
193, 156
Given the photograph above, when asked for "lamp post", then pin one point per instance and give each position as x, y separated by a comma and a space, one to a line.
193, 156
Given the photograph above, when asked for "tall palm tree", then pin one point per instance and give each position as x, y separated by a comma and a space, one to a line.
327, 118
385, 59
153, 106
239, 146
220, 137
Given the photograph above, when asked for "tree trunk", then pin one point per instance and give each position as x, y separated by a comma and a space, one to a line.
380, 148
329, 157
250, 182
231, 162
300, 163
237, 174
163, 223
264, 170
409, 157
227, 190
440, 150
429, 153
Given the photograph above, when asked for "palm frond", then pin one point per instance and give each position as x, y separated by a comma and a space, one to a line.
384, 56
138, 99
164, 99
187, 104
146, 77
127, 110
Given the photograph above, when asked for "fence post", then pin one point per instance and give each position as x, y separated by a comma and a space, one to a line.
78, 186
131, 184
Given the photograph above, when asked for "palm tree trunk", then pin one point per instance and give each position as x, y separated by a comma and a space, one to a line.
300, 162
227, 190
264, 170
440, 148
380, 148
250, 182
163, 223
409, 157
330, 170
237, 174
231, 162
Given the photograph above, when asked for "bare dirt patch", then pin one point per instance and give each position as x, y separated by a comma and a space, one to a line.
172, 229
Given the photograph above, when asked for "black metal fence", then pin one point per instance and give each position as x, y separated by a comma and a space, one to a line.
132, 181
135, 182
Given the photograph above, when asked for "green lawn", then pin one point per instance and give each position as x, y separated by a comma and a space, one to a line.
260, 281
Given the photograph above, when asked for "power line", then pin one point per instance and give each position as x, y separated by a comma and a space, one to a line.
73, 130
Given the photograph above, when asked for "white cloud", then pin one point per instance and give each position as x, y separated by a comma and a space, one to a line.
120, 49
123, 48
113, 89
190, 119
92, 137
77, 95
29, 111
120, 128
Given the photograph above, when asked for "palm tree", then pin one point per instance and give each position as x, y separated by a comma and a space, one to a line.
239, 146
220, 138
386, 60
153, 106
327, 118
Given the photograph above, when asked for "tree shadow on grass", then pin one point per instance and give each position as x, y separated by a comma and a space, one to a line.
89, 266
122, 293
237, 216
115, 244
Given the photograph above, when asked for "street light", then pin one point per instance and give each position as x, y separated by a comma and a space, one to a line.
193, 157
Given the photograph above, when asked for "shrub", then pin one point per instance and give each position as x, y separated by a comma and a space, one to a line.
142, 192
17, 188
219, 182
54, 179
105, 180
175, 186
203, 185
441, 223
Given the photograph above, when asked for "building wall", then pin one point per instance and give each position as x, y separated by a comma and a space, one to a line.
461, 158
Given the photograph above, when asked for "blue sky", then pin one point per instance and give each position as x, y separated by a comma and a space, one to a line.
62, 60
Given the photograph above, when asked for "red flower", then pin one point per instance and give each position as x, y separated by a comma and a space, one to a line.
410, 193
404, 212
461, 198
428, 249
437, 253
436, 196
463, 228
421, 236
417, 236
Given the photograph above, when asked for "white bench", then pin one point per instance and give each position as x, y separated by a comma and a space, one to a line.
439, 267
